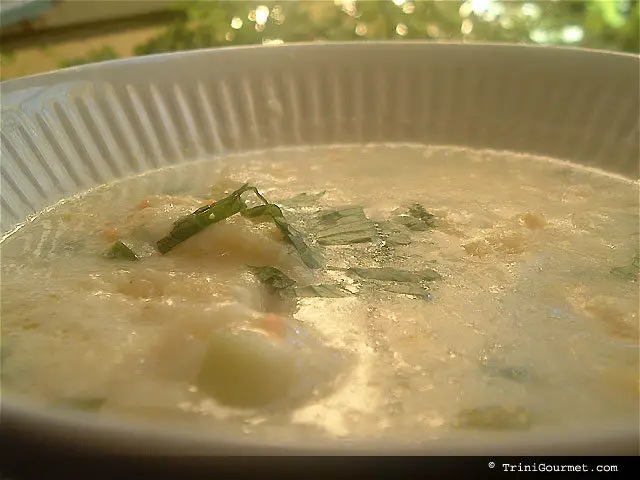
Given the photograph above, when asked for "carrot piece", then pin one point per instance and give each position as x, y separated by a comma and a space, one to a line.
143, 204
274, 325
109, 232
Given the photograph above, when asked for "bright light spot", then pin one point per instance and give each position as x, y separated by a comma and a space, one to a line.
262, 14
498, 9
348, 7
489, 16
487, 9
402, 29
408, 8
467, 27
465, 9
572, 34
481, 6
272, 41
361, 29
539, 36
236, 23
506, 23
433, 31
531, 10
252, 15
399, 3
228, 36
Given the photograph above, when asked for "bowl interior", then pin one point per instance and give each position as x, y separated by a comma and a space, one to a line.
65, 132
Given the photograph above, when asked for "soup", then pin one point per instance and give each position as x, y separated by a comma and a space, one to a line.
396, 292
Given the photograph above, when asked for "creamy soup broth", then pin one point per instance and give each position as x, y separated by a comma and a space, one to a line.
528, 321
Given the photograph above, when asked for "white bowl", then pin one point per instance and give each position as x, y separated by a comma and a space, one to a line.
66, 131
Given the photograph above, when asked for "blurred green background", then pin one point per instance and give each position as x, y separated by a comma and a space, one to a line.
190, 24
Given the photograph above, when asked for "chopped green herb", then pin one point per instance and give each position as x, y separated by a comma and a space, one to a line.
415, 218
389, 274
262, 210
223, 188
406, 289
516, 374
120, 251
398, 239
346, 226
629, 272
195, 222
417, 211
310, 258
278, 281
393, 235
273, 278
326, 291
494, 417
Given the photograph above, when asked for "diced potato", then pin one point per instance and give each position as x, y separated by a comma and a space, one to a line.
247, 369
177, 356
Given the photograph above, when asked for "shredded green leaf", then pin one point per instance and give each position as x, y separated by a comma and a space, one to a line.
278, 282
195, 222
415, 218
346, 226
223, 188
120, 251
270, 209
628, 272
406, 289
513, 373
274, 278
389, 274
310, 258
325, 290
392, 235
